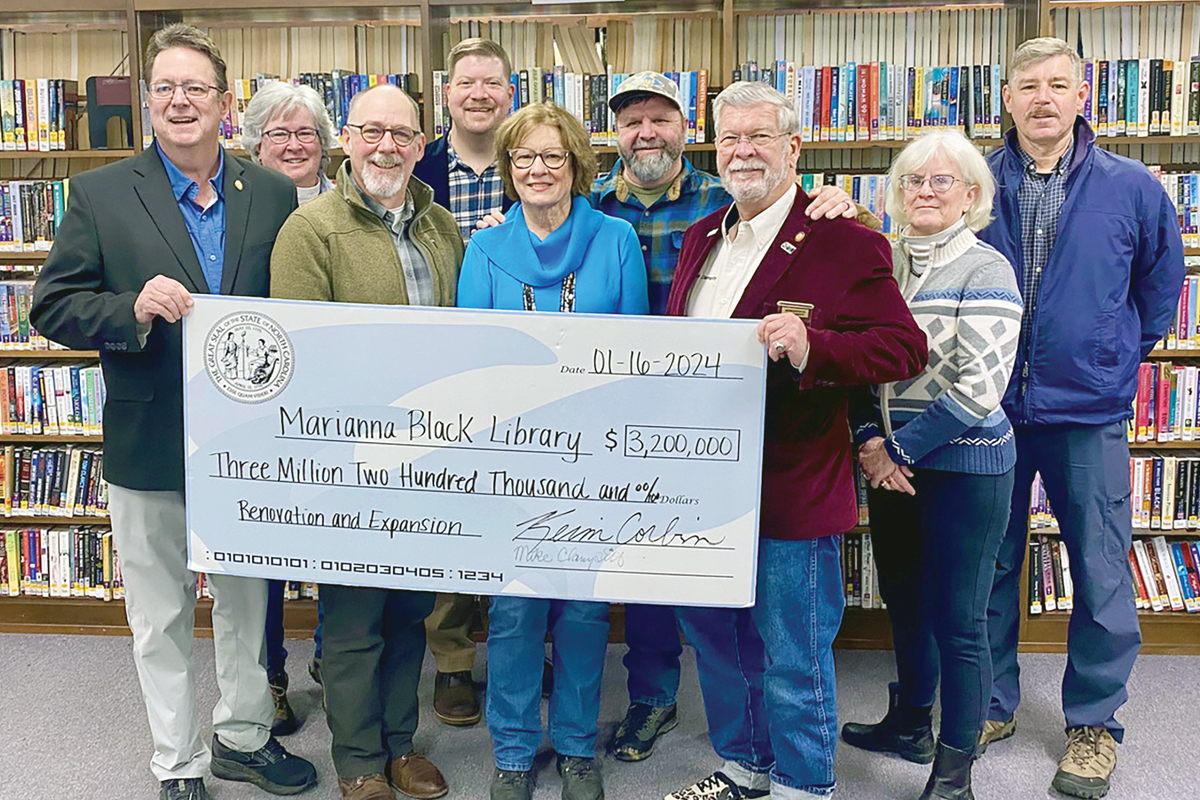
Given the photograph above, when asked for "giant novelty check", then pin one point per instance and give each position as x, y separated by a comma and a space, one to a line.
551, 455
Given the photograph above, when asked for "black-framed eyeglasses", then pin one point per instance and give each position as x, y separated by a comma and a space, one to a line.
193, 90
373, 134
283, 135
553, 159
940, 184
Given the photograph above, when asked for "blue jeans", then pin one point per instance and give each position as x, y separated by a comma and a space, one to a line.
652, 635
517, 629
1085, 469
936, 552
767, 672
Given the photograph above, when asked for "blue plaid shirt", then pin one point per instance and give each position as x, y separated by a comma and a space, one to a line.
472, 196
692, 196
1039, 200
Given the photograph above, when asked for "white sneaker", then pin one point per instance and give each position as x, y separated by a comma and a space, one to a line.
718, 787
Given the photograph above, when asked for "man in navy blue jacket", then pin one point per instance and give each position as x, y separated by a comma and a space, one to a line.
1095, 242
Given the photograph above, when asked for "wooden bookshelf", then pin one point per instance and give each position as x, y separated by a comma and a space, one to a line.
37, 438
42, 521
1164, 445
40, 355
108, 155
60, 615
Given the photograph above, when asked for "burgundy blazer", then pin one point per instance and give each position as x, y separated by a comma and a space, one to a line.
860, 331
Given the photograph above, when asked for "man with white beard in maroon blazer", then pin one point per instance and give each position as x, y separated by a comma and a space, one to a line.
831, 317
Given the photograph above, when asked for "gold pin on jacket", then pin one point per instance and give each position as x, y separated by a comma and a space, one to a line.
237, 185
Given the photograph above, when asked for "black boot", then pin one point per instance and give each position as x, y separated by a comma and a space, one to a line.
906, 731
951, 776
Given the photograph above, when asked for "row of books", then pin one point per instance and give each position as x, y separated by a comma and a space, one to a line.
1165, 576
1184, 189
858, 571
867, 189
586, 96
75, 561
65, 400
1165, 407
1165, 492
39, 114
1050, 584
53, 481
1143, 96
15, 331
292, 590
885, 101
30, 213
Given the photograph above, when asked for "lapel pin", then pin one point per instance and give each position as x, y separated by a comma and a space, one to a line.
800, 236
713, 232
237, 185
788, 247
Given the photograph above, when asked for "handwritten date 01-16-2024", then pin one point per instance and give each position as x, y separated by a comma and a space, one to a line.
669, 365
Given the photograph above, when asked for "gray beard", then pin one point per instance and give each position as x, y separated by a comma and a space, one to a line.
378, 185
649, 169
752, 194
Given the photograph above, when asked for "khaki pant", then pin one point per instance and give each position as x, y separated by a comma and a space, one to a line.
448, 631
150, 533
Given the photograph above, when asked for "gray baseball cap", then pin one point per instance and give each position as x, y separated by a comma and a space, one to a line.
641, 84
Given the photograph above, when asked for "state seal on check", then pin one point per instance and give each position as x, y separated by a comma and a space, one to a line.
249, 357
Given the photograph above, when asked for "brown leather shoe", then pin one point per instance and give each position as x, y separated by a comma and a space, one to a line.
368, 787
414, 775
455, 701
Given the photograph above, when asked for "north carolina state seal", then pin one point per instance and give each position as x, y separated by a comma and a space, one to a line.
249, 357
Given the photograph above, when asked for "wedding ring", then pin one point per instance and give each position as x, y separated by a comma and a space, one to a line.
781, 347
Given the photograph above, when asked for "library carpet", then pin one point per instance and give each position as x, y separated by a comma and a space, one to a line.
73, 725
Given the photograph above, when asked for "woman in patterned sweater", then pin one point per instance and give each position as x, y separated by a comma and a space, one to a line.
939, 454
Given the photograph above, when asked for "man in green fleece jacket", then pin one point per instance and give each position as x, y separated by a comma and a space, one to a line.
377, 238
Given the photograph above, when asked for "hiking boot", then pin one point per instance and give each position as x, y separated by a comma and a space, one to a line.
580, 778
951, 775
455, 701
905, 730
1090, 759
270, 767
285, 719
183, 789
511, 785
993, 731
368, 787
637, 733
717, 787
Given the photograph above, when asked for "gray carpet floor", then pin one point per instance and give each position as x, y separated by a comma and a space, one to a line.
73, 726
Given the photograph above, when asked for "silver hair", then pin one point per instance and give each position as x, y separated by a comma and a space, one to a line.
1035, 51
954, 145
752, 93
280, 97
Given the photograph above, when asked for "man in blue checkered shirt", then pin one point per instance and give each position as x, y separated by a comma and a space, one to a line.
460, 167
658, 191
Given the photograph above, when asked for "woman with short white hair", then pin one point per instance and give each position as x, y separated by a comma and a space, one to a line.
939, 453
286, 127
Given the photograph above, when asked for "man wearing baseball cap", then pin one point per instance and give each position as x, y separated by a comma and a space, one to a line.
655, 188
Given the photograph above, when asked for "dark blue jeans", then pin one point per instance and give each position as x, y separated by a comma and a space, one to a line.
936, 553
767, 672
1085, 469
652, 661
276, 653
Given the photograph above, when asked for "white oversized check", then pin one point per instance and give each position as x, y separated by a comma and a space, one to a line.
552, 455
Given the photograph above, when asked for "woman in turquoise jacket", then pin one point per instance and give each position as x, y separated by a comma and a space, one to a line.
554, 253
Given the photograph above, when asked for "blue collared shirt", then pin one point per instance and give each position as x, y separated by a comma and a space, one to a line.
206, 226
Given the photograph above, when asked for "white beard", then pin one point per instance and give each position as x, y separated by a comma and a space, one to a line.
383, 184
753, 192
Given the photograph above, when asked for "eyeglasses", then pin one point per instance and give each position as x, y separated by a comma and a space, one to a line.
283, 135
163, 90
940, 184
373, 134
756, 140
523, 159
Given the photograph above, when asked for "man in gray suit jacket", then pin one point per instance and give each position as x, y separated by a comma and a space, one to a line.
139, 237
